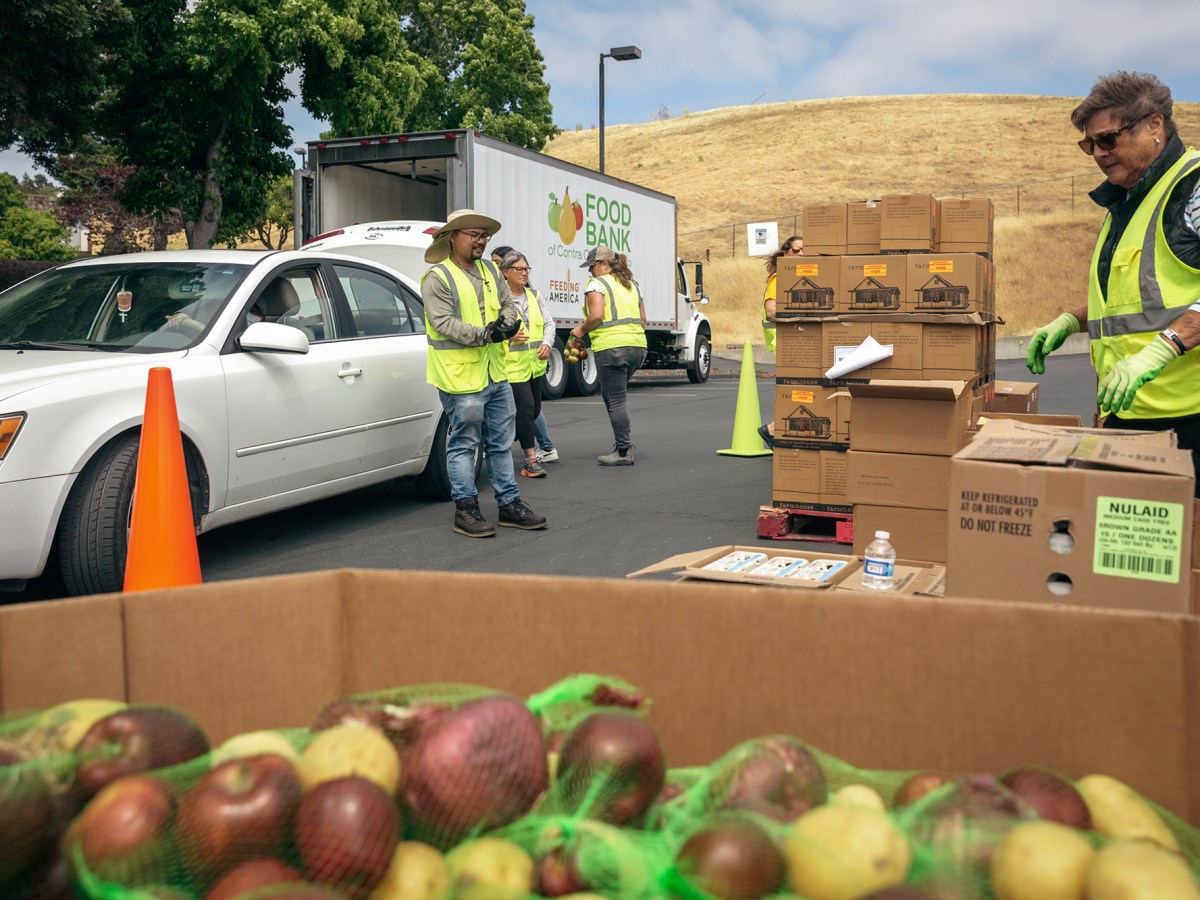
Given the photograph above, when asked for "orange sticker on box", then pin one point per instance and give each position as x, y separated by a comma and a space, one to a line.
875, 269
803, 396
941, 265
808, 269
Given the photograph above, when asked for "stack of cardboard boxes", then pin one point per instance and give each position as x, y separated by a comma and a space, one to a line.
908, 281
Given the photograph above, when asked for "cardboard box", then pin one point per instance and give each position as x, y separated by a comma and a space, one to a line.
862, 227
917, 533
928, 417
842, 337
871, 284
948, 282
809, 479
912, 578
897, 479
811, 414
965, 226
951, 351
965, 686
806, 286
908, 222
825, 229
744, 565
1016, 397
1072, 516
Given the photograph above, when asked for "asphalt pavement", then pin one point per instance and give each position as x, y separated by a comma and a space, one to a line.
680, 495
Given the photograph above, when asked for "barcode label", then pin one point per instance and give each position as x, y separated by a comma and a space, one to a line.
1141, 539
1137, 564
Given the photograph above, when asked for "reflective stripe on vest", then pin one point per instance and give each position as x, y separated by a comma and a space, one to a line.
458, 368
1148, 288
768, 326
622, 325
522, 363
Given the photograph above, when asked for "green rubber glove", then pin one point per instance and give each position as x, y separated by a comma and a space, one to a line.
1119, 385
1047, 339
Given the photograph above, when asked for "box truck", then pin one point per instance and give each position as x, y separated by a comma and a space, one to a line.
551, 211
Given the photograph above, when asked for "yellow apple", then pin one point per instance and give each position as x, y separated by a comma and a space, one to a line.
417, 872
490, 867
255, 743
60, 728
350, 750
859, 795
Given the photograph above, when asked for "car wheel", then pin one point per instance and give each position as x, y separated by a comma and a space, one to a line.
701, 366
555, 384
93, 532
434, 482
583, 379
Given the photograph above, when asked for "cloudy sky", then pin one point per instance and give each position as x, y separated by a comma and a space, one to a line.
705, 54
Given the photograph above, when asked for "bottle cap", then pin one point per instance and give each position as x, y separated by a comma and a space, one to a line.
883, 535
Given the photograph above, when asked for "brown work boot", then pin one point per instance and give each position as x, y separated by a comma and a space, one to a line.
617, 457
469, 520
518, 515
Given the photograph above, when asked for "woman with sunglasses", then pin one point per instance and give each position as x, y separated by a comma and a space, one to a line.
528, 351
793, 246
1143, 301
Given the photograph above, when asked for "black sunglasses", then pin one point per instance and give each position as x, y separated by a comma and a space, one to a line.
1108, 140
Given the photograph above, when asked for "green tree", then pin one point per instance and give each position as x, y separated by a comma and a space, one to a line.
29, 234
276, 226
487, 69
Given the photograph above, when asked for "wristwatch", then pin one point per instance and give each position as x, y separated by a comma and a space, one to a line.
1173, 338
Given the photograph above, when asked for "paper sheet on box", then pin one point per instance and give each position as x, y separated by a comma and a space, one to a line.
868, 352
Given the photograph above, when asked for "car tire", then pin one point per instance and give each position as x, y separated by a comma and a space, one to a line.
555, 383
701, 366
93, 532
434, 482
583, 379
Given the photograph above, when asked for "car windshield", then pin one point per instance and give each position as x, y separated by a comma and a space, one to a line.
138, 307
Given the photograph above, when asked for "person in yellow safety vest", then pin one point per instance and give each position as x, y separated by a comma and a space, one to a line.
469, 314
1143, 307
793, 246
615, 318
528, 352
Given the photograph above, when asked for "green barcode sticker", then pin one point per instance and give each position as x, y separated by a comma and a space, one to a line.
1138, 539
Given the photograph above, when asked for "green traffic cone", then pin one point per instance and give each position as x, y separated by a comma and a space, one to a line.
746, 440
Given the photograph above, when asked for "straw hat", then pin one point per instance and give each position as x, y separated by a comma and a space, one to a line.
459, 220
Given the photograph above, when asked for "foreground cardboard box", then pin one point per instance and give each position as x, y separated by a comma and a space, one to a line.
1071, 515
878, 681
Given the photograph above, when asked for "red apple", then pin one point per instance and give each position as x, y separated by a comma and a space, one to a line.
251, 876
122, 835
732, 858
917, 786
777, 777
1050, 795
136, 739
556, 874
27, 820
241, 809
346, 832
620, 748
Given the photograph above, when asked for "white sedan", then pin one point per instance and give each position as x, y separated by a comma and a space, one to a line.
297, 375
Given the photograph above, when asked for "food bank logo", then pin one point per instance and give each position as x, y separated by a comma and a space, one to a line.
565, 218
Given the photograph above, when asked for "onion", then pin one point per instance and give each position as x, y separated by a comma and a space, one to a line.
732, 858
478, 767
776, 777
620, 750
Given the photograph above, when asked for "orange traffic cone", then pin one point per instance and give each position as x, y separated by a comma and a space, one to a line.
746, 441
162, 536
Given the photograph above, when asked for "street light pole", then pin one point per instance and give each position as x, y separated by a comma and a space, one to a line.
620, 54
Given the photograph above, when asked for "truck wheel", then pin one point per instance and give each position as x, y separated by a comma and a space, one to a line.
555, 383
701, 366
93, 532
434, 482
583, 379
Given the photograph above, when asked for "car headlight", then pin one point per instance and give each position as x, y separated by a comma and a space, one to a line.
9, 426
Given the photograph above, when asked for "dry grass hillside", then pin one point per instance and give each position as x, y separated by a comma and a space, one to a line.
731, 166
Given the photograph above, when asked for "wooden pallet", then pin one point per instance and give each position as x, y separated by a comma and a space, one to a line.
825, 526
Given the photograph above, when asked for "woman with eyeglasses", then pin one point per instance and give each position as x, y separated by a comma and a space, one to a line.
1143, 302
793, 246
528, 351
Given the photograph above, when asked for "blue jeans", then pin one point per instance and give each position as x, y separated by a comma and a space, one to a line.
617, 365
489, 418
541, 432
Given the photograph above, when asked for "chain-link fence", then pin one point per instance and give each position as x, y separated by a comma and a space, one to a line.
1066, 193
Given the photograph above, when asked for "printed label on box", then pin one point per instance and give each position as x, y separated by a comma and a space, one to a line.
941, 265
807, 269
1138, 539
875, 269
803, 396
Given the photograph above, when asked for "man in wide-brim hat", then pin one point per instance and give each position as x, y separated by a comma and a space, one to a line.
469, 313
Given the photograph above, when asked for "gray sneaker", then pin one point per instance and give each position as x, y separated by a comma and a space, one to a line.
617, 457
518, 515
469, 520
532, 468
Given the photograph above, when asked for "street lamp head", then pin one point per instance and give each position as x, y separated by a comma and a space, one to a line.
621, 54
300, 151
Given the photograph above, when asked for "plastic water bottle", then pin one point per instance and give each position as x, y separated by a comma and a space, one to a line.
879, 563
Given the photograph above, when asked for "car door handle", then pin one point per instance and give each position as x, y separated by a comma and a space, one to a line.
348, 372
